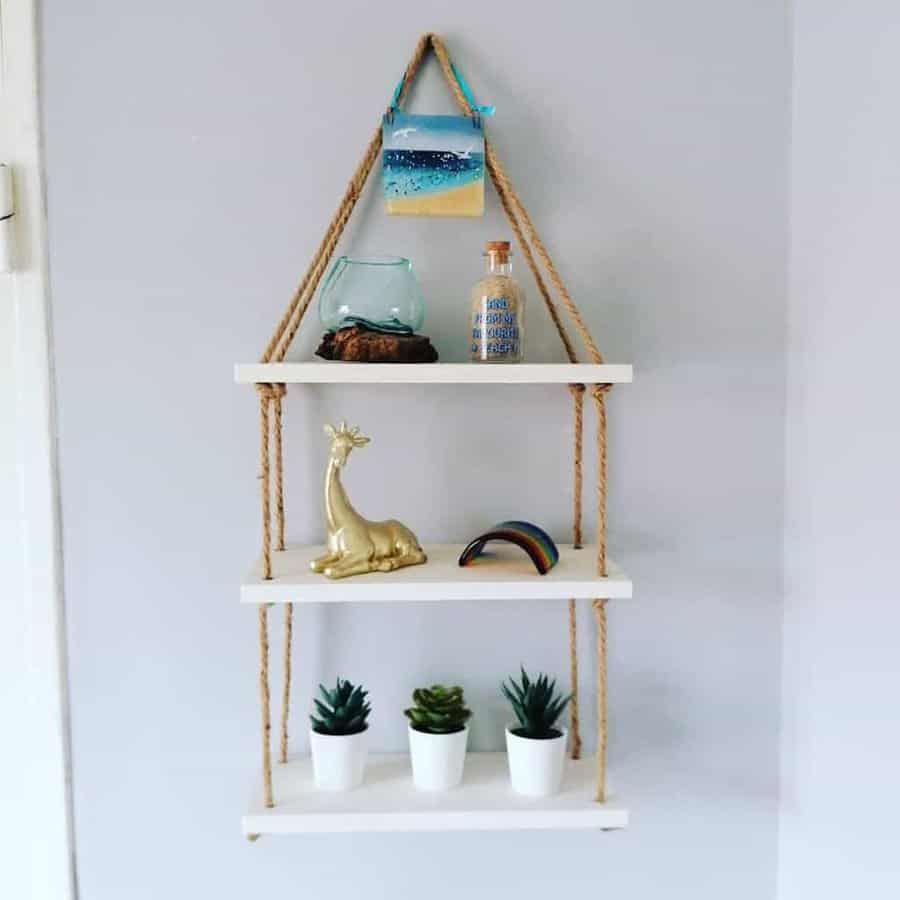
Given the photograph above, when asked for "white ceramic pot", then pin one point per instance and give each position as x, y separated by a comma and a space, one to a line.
536, 766
339, 760
437, 759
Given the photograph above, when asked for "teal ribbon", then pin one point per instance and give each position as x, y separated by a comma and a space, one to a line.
463, 86
396, 98
467, 93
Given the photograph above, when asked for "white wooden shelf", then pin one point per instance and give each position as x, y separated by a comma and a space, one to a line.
503, 573
430, 373
388, 801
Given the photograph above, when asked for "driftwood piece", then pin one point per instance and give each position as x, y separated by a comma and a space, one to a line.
358, 344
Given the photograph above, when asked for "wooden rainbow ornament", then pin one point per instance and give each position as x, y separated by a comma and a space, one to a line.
533, 540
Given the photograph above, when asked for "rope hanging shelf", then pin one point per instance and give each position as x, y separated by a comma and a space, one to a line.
271, 376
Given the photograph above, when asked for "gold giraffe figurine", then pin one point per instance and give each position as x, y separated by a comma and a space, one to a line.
356, 545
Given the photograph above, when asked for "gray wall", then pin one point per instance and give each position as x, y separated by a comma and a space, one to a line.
841, 666
195, 153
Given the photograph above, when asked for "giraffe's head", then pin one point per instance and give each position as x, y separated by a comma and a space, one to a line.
343, 440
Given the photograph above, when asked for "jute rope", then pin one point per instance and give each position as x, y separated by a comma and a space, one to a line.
277, 346
293, 315
279, 474
270, 395
513, 207
536, 255
600, 616
506, 202
264, 703
574, 721
509, 200
265, 490
574, 314
277, 394
265, 398
286, 685
598, 392
577, 391
307, 289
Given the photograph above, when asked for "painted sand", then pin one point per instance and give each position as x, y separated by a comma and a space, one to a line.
433, 166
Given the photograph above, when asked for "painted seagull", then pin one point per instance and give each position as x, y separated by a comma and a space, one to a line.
464, 154
404, 132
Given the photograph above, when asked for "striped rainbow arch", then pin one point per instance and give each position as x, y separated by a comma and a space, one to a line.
533, 540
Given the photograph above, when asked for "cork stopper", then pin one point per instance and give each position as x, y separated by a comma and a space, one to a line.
499, 250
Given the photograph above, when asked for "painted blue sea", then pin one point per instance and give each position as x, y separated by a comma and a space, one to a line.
410, 173
432, 165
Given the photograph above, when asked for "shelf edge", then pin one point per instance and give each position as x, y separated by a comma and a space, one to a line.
431, 373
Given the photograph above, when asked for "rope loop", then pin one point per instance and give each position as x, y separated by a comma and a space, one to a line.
576, 389
598, 390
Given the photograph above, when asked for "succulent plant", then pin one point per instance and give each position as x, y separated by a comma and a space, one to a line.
344, 710
438, 710
537, 705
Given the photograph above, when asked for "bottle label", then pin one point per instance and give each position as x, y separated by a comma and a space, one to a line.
495, 329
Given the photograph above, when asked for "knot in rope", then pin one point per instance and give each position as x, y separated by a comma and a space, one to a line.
271, 391
576, 389
598, 390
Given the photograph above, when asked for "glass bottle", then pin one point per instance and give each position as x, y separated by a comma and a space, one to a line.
497, 321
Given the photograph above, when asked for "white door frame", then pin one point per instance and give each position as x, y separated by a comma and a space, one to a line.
36, 828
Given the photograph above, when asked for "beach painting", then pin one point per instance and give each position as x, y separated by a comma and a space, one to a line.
433, 165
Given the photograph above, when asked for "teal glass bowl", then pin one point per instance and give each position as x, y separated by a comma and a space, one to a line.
381, 291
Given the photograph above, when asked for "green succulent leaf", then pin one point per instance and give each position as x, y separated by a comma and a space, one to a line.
341, 711
438, 709
536, 704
